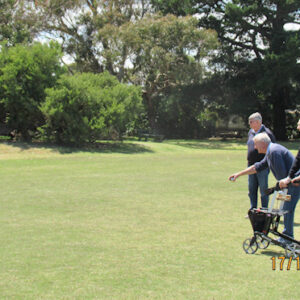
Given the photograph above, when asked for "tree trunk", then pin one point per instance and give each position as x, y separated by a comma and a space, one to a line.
280, 90
279, 99
150, 110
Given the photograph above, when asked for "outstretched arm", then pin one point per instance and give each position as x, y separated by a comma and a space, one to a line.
248, 171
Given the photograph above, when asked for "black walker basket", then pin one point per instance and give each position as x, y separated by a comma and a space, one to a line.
260, 221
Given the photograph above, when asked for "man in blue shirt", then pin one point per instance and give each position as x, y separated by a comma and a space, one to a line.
260, 178
279, 160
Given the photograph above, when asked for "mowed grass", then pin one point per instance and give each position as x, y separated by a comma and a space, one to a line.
137, 220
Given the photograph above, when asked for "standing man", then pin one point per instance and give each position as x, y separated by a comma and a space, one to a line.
279, 160
259, 179
293, 171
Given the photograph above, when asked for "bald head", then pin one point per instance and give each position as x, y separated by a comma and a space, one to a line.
261, 142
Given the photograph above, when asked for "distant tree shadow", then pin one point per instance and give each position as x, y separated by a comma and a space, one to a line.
97, 147
291, 145
228, 144
128, 147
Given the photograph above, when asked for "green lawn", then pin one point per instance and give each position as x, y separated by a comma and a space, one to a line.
137, 220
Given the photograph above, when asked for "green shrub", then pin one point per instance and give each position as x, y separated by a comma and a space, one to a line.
25, 72
85, 107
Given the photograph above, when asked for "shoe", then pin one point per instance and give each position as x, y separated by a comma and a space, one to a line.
247, 217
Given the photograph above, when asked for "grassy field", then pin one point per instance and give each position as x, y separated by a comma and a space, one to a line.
137, 220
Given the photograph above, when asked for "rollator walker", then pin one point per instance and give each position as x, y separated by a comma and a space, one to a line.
265, 221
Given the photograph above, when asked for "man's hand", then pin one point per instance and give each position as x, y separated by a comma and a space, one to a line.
233, 177
283, 183
247, 171
296, 181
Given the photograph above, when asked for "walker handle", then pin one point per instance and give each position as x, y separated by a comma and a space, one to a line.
271, 190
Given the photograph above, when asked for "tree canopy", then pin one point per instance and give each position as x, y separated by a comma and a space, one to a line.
129, 41
258, 57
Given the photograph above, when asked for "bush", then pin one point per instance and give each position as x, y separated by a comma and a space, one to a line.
85, 107
25, 72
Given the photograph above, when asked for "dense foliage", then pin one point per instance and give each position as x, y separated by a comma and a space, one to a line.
17, 22
128, 40
85, 107
258, 58
25, 73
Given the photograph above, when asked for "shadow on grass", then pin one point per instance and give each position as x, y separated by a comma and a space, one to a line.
296, 224
272, 253
293, 145
98, 147
228, 144
129, 147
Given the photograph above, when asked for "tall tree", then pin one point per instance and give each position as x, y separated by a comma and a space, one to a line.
256, 49
128, 40
82, 26
166, 53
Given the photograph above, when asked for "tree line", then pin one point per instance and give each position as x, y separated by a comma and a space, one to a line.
172, 66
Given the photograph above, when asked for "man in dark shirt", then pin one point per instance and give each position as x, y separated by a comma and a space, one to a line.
259, 179
279, 160
294, 169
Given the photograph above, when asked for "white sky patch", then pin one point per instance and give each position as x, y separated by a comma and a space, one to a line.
291, 27
45, 38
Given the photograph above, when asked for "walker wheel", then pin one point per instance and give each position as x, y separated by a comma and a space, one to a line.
288, 253
262, 243
292, 251
250, 246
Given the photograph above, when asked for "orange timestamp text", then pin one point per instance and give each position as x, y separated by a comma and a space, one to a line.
284, 263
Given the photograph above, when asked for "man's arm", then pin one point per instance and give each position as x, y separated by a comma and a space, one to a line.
261, 165
248, 171
296, 166
292, 173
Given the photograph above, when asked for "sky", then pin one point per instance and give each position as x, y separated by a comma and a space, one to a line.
291, 27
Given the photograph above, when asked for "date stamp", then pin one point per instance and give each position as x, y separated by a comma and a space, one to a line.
285, 263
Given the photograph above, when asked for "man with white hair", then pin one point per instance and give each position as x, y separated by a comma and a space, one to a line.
259, 179
279, 160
